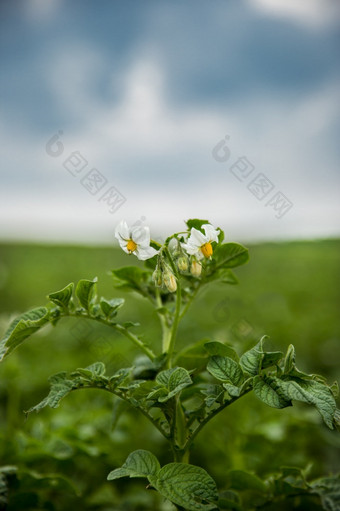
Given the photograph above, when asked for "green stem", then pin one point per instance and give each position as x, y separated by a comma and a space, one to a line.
209, 417
121, 396
135, 340
189, 302
121, 329
177, 310
166, 332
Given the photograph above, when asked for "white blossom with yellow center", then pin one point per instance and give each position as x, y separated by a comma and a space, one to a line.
135, 240
199, 244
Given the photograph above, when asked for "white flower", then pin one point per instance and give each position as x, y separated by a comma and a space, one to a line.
199, 244
135, 240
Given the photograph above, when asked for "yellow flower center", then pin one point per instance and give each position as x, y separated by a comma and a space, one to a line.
207, 249
131, 246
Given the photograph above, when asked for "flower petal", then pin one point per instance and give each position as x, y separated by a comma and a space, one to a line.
197, 238
211, 232
144, 253
141, 235
190, 248
122, 231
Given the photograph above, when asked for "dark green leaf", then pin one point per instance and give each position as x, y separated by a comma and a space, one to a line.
311, 392
225, 369
221, 349
267, 390
186, 485
251, 360
173, 381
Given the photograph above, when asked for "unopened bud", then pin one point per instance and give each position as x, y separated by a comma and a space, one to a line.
182, 263
170, 281
196, 268
157, 277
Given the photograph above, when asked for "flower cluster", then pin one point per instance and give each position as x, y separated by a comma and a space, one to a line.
198, 246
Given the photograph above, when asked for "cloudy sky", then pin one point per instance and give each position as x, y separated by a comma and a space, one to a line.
112, 110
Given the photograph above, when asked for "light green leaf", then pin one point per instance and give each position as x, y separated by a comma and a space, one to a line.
186, 485
225, 369
62, 297
173, 380
230, 255
110, 307
139, 463
85, 292
21, 328
270, 393
221, 349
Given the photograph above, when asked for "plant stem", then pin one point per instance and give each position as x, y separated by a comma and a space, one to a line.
121, 396
177, 310
121, 329
166, 332
209, 417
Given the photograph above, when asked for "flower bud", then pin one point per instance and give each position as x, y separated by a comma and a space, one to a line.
157, 277
170, 281
196, 268
182, 263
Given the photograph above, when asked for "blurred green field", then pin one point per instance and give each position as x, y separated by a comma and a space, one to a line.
289, 291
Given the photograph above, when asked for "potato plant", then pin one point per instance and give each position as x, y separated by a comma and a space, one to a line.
180, 402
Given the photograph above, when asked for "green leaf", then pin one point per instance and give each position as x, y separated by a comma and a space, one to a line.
328, 488
196, 223
85, 292
230, 255
241, 480
110, 307
131, 278
251, 360
213, 393
271, 358
139, 463
60, 387
221, 349
311, 392
186, 485
255, 359
21, 328
225, 369
289, 362
232, 390
173, 381
62, 297
270, 393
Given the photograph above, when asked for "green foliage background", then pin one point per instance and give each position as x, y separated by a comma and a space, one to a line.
289, 291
